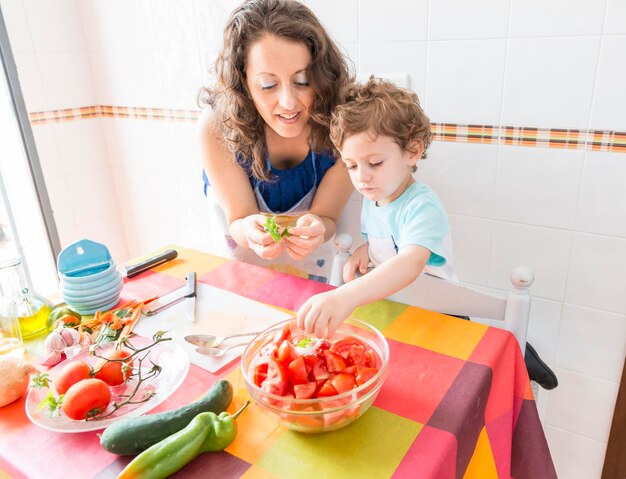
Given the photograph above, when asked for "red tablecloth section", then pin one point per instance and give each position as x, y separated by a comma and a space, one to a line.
456, 403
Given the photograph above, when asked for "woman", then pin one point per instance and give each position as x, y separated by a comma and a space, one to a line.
265, 138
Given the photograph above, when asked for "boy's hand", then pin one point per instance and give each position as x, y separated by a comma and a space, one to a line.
357, 262
259, 241
321, 314
305, 237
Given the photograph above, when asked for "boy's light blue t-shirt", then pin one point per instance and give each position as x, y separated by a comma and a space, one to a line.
416, 217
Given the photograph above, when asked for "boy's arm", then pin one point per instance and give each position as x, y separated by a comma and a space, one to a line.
357, 262
322, 313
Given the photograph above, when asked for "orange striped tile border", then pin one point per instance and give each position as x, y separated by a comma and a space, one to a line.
594, 140
104, 111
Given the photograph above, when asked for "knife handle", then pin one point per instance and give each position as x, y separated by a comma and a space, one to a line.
135, 269
190, 285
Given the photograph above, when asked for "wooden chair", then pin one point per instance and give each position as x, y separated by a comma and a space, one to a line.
510, 312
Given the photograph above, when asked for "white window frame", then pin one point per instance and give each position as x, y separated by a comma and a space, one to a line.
22, 185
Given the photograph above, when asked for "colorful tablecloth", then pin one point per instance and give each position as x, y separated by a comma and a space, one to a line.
456, 403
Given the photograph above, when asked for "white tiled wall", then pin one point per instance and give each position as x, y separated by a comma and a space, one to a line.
135, 185
54, 68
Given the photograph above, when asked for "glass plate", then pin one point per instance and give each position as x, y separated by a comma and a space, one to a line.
167, 354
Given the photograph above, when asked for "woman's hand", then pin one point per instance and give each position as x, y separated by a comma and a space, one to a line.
258, 240
305, 237
357, 262
321, 314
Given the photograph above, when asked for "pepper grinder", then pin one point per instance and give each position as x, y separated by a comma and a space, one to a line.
343, 243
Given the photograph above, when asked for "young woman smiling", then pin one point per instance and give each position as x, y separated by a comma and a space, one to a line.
265, 137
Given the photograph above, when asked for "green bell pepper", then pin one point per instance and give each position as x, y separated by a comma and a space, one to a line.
205, 433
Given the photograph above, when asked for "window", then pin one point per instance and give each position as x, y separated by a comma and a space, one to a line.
27, 227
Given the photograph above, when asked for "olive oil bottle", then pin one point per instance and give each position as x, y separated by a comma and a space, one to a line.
36, 323
32, 309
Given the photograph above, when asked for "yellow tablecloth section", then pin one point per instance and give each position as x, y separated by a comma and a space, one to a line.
456, 403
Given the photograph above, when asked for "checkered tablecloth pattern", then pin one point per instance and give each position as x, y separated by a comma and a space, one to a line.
456, 403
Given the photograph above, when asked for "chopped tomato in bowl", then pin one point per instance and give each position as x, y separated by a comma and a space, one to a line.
314, 384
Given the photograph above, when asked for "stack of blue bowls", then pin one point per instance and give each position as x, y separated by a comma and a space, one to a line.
89, 279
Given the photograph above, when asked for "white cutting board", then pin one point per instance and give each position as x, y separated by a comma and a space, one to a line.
219, 313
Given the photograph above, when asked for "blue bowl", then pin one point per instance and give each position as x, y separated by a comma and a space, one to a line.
93, 288
88, 278
95, 305
83, 258
85, 297
91, 310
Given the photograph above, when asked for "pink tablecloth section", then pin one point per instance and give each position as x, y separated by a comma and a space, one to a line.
456, 403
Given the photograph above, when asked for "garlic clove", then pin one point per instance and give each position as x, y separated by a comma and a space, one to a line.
52, 359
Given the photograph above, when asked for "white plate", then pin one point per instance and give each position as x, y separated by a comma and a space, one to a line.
167, 354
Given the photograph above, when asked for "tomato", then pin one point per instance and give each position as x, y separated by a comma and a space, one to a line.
351, 349
334, 362
371, 360
323, 345
319, 371
343, 346
297, 371
114, 372
70, 375
351, 370
327, 389
259, 370
286, 352
310, 361
276, 381
334, 368
343, 382
364, 374
86, 396
304, 391
282, 335
333, 418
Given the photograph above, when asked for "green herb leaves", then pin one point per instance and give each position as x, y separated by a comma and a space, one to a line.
304, 342
41, 381
274, 229
52, 403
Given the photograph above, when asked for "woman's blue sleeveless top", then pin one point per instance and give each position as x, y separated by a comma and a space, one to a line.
286, 187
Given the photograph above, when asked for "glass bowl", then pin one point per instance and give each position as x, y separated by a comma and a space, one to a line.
320, 414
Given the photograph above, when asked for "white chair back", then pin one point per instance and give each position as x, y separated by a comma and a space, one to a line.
443, 296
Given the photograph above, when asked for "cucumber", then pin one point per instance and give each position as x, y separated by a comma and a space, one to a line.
136, 434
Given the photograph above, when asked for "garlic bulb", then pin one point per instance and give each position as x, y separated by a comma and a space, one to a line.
70, 336
14, 378
54, 342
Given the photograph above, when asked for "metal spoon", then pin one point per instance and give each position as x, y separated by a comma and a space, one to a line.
209, 341
217, 352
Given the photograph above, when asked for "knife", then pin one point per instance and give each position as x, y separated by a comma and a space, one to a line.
191, 296
135, 269
186, 292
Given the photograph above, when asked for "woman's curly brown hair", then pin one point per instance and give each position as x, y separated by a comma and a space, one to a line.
382, 108
238, 121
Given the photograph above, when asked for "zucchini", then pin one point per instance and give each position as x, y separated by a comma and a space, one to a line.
136, 434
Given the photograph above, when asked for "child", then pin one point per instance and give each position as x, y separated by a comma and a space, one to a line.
381, 132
